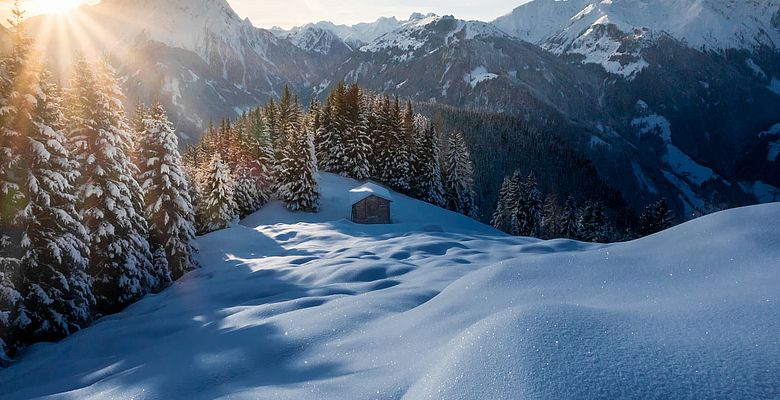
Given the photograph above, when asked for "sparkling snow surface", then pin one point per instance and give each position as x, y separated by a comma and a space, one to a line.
438, 307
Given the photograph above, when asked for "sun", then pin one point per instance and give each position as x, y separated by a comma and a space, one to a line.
51, 6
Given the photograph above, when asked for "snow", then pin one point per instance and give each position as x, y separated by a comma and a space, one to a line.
774, 151
417, 32
353, 34
764, 192
305, 306
703, 24
682, 164
369, 189
313, 39
576, 26
774, 86
757, 71
478, 75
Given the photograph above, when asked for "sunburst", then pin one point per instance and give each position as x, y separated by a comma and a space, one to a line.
51, 6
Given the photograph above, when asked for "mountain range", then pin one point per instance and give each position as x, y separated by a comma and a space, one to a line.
667, 98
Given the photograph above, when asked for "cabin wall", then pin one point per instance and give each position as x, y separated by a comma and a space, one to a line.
371, 210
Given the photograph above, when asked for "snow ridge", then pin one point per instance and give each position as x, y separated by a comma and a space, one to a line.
607, 31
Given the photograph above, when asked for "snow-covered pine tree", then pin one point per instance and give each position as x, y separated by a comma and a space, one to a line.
357, 142
56, 290
570, 219
13, 70
261, 153
248, 195
287, 112
428, 175
502, 218
656, 217
9, 301
299, 186
593, 223
333, 132
169, 206
373, 108
218, 209
10, 194
410, 136
323, 135
161, 268
551, 219
390, 153
138, 125
529, 208
459, 177
110, 197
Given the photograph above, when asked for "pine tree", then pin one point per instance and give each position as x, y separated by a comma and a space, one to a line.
299, 186
333, 133
427, 170
657, 217
570, 219
9, 302
551, 219
409, 139
323, 136
459, 177
56, 290
528, 208
161, 268
502, 217
218, 207
260, 166
357, 142
248, 195
593, 223
390, 152
11, 197
14, 101
110, 197
167, 194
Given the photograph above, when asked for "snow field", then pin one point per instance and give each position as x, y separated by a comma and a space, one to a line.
438, 306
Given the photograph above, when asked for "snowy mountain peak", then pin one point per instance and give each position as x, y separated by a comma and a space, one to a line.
313, 38
207, 22
612, 32
433, 31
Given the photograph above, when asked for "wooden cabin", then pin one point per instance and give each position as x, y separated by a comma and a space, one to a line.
371, 204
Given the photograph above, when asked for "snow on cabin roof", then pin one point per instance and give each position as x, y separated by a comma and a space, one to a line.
359, 193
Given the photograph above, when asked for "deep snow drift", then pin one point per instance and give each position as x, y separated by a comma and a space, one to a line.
438, 307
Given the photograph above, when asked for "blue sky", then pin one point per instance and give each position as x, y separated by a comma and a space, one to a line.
287, 13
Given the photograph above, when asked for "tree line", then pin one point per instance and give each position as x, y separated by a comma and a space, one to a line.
95, 209
277, 150
523, 210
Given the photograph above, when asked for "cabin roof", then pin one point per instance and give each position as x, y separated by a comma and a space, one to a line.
369, 189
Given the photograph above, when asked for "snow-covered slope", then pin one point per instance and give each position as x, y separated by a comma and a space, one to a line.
609, 31
438, 307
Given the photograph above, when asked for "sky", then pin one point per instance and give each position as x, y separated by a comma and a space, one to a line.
288, 13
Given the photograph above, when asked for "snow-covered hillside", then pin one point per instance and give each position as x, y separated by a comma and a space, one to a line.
436, 306
607, 32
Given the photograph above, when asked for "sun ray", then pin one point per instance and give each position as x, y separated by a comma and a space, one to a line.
36, 7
